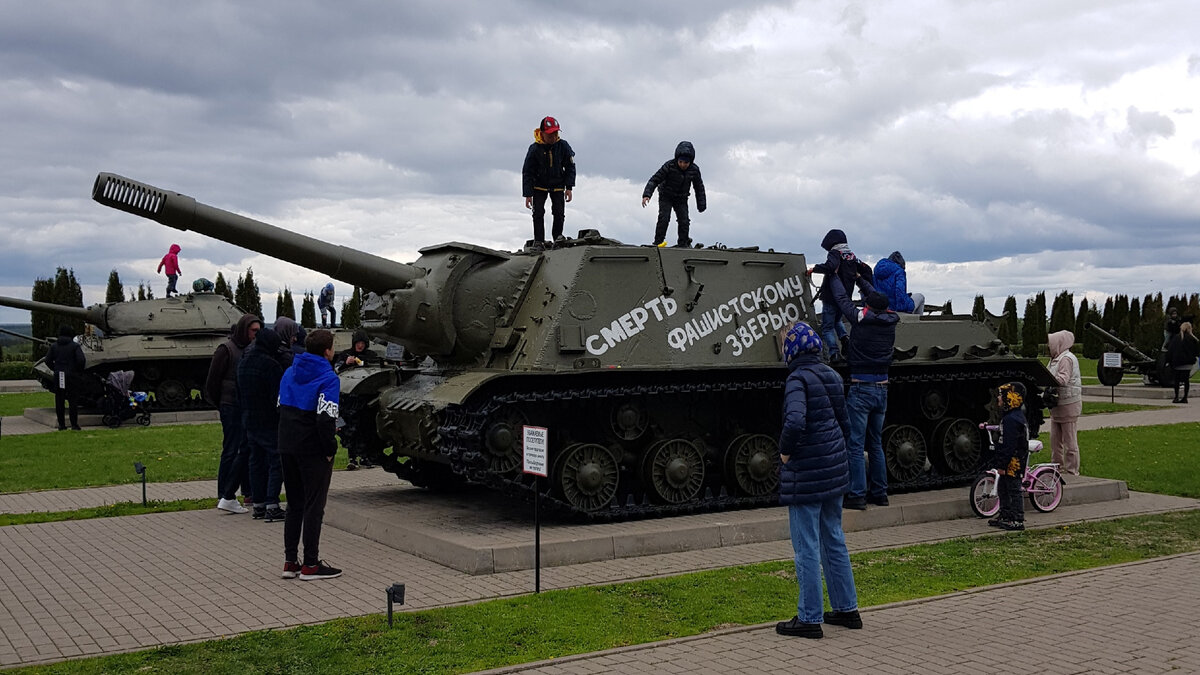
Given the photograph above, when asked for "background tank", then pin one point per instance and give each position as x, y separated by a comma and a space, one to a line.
656, 370
167, 343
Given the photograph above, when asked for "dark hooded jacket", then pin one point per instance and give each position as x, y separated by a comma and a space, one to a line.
891, 280
308, 407
840, 263
66, 357
288, 331
258, 375
326, 297
815, 428
673, 184
367, 355
220, 388
548, 166
872, 337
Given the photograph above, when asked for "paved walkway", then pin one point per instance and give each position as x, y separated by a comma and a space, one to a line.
1135, 618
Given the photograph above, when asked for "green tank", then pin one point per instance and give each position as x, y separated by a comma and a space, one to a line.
655, 370
167, 343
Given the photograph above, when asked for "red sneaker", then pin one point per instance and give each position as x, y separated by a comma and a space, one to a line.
291, 570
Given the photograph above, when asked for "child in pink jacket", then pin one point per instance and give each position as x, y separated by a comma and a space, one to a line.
170, 262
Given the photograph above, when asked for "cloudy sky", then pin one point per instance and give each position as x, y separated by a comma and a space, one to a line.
1005, 147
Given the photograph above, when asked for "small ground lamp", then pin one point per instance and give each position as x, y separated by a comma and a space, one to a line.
395, 594
140, 469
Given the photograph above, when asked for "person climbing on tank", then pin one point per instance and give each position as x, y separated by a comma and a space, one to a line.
325, 301
170, 262
66, 360
840, 266
891, 280
549, 171
359, 354
673, 180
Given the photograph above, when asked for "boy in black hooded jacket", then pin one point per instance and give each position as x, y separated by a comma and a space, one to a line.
674, 180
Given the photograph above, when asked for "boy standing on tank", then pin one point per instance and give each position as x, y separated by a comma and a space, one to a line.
549, 171
673, 180
840, 266
170, 262
325, 301
1012, 451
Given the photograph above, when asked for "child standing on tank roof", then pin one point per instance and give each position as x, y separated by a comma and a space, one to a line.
170, 262
673, 180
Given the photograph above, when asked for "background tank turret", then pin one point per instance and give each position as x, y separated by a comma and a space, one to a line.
656, 370
167, 343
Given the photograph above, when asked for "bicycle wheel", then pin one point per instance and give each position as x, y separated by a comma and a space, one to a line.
982, 503
1045, 490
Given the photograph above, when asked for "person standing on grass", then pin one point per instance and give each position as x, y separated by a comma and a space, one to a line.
308, 412
813, 476
1064, 366
220, 389
258, 375
66, 360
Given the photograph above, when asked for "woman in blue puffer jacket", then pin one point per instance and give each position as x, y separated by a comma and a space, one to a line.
814, 475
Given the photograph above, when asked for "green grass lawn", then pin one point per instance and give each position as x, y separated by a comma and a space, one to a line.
559, 623
1101, 407
15, 404
1163, 459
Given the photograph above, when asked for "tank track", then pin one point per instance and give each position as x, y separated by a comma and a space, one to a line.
461, 455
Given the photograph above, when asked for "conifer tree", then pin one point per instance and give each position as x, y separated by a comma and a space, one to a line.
351, 317
978, 310
1043, 322
308, 311
247, 296
42, 324
1093, 346
1062, 313
289, 304
1081, 321
115, 292
1029, 329
141, 293
1008, 323
278, 304
1120, 311
947, 310
221, 286
1107, 317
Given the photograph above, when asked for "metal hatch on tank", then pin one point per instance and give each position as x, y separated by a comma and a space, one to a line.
656, 370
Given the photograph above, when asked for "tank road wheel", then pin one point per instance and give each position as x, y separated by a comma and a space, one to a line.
934, 403
172, 394
503, 439
958, 443
673, 470
629, 420
586, 476
904, 452
752, 465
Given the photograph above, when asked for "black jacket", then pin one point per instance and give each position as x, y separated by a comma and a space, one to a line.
1181, 350
872, 337
548, 166
673, 184
65, 357
258, 375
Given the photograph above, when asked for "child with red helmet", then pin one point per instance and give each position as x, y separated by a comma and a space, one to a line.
549, 171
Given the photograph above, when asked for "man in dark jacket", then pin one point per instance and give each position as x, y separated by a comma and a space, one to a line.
673, 180
549, 171
308, 412
872, 338
220, 389
258, 375
812, 479
67, 361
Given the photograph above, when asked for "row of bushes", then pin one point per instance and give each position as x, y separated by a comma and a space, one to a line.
16, 370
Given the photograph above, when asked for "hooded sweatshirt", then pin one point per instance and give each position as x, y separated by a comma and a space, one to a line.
842, 264
170, 261
891, 280
308, 407
367, 354
288, 331
258, 375
220, 388
1065, 368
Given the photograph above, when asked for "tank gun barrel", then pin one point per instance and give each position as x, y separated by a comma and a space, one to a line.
1131, 352
26, 337
365, 270
94, 315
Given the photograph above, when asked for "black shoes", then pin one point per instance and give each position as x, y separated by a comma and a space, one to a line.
995, 522
795, 628
273, 514
878, 501
319, 571
1012, 525
856, 503
260, 511
850, 619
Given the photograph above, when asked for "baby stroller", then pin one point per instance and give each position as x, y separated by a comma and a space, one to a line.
120, 404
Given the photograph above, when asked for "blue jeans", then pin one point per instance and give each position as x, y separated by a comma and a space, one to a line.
832, 328
266, 472
232, 469
866, 405
820, 545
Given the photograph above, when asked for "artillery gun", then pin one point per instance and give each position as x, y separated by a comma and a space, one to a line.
656, 370
1154, 371
167, 343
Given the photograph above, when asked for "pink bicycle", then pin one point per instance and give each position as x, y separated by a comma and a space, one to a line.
1042, 482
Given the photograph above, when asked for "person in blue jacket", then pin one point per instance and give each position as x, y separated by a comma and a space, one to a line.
308, 413
325, 303
892, 281
813, 476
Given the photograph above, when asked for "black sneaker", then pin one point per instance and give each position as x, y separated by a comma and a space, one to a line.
260, 511
1012, 525
850, 619
995, 522
856, 503
352, 465
795, 628
319, 571
878, 501
273, 514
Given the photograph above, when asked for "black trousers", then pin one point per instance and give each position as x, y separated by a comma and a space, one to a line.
1012, 507
665, 207
306, 481
1182, 380
64, 396
558, 208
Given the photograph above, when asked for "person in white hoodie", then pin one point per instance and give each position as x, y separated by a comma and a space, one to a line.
1064, 445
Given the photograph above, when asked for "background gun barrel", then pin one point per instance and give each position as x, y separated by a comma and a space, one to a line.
93, 315
367, 271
